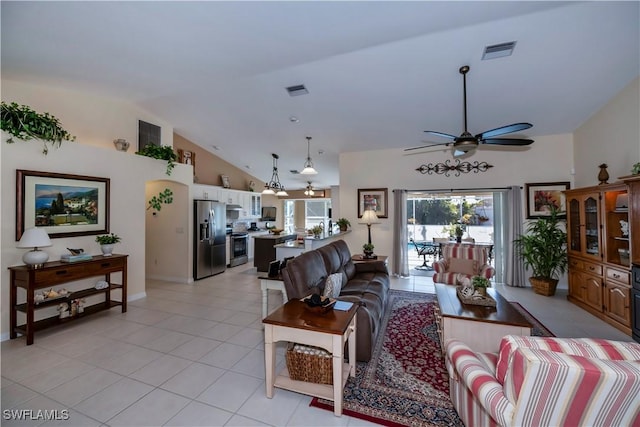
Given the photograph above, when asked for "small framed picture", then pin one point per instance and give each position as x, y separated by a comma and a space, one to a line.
225, 181
374, 199
543, 196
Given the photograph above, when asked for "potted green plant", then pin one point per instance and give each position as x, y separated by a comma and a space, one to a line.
23, 123
543, 250
458, 231
480, 284
367, 249
107, 242
316, 230
161, 152
343, 223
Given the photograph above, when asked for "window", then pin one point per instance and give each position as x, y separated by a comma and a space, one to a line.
316, 212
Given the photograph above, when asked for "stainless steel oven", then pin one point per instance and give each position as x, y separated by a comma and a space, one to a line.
238, 250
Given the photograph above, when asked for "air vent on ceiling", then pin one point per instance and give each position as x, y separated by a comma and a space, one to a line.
297, 90
498, 50
294, 171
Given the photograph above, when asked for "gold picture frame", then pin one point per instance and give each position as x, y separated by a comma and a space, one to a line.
373, 198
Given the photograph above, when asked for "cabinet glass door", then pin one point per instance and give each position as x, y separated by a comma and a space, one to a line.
591, 226
575, 239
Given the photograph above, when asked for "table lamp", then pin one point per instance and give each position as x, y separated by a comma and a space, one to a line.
369, 217
34, 238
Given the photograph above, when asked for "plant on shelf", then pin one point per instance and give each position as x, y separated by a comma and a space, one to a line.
156, 202
543, 249
343, 223
23, 123
480, 284
161, 152
107, 242
636, 169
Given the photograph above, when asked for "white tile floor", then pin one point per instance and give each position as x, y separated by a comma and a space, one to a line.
192, 355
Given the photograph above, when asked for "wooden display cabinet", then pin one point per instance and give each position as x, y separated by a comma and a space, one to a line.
599, 278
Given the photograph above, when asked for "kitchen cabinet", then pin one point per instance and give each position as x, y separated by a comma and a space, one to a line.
205, 192
598, 248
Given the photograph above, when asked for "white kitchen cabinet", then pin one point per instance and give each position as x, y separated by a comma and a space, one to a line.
228, 250
205, 192
256, 204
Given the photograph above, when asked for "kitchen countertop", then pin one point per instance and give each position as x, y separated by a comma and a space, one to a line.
326, 236
272, 236
294, 244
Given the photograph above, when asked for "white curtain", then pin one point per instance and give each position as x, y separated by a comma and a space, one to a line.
400, 260
515, 268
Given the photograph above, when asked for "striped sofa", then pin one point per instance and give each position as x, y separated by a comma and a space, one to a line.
460, 261
542, 381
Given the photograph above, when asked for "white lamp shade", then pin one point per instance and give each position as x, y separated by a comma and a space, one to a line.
268, 191
34, 238
369, 217
308, 170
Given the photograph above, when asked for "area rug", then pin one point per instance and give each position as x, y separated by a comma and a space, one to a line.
406, 382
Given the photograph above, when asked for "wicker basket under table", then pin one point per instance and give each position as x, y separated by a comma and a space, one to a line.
310, 364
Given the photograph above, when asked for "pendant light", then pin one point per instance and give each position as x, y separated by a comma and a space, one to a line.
308, 165
309, 190
274, 186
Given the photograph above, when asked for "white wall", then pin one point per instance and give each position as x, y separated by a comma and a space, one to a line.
610, 136
548, 159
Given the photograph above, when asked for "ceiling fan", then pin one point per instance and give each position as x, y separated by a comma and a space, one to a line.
466, 142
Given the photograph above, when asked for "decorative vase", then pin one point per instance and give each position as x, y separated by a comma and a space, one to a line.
459, 239
603, 175
121, 144
343, 228
107, 250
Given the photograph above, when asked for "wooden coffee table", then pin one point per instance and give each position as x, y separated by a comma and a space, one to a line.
480, 327
292, 322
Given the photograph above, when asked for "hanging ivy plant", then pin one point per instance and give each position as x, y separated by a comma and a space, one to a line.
21, 122
156, 202
162, 152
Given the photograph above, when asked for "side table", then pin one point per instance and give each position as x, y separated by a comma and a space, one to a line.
330, 331
361, 258
271, 283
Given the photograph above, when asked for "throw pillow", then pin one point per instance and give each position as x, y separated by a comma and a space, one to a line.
464, 266
333, 285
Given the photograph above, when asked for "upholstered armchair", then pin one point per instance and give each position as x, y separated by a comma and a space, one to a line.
460, 261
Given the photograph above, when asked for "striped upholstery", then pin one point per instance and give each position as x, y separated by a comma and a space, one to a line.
443, 275
547, 382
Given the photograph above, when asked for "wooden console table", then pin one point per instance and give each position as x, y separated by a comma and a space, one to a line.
56, 273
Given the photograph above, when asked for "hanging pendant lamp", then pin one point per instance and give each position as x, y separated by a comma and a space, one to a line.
309, 189
274, 186
308, 164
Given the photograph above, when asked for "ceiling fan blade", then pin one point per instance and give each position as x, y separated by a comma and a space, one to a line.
427, 146
444, 135
507, 141
515, 127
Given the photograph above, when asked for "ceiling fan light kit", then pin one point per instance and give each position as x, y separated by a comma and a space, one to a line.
308, 164
309, 189
467, 142
274, 186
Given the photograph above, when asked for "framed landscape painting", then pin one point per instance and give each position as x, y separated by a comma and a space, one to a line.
63, 205
542, 196
373, 198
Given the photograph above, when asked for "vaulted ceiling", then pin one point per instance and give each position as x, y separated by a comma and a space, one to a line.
378, 73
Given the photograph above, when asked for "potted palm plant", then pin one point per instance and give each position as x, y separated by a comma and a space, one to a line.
543, 250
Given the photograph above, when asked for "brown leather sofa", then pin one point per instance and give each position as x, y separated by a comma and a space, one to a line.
365, 284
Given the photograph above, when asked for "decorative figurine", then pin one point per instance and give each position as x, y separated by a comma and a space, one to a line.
603, 176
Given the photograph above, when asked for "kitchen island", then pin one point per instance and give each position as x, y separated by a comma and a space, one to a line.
295, 248
265, 251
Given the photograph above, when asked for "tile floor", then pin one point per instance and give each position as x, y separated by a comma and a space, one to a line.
192, 355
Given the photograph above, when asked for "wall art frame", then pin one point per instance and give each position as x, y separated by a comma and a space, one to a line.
542, 195
373, 198
64, 205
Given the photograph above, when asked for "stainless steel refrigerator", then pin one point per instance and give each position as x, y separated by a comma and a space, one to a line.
209, 246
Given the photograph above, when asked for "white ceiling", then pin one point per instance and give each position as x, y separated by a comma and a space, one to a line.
378, 73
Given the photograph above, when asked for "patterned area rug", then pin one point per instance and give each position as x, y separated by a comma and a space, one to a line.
406, 382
